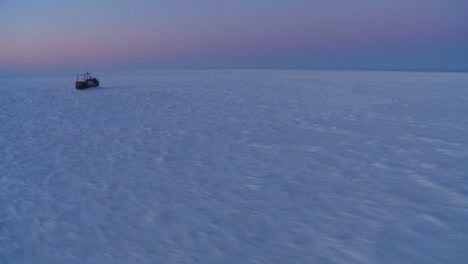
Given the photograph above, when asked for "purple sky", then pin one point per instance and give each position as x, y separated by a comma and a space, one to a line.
336, 34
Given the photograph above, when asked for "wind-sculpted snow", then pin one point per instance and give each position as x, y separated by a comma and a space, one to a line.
235, 167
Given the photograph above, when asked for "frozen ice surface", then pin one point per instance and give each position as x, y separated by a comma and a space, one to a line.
234, 167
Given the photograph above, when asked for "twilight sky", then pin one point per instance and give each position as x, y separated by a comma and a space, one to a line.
330, 34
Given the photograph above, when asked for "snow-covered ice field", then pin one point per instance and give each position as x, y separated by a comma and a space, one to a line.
234, 167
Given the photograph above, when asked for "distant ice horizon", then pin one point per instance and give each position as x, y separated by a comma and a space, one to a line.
16, 71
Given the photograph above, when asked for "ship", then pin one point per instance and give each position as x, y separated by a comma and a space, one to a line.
84, 81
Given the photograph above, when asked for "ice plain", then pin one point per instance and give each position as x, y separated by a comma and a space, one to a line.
234, 166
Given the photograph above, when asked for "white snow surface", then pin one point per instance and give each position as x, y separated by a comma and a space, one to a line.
234, 166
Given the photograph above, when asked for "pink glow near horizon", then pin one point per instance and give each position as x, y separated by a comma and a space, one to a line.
318, 35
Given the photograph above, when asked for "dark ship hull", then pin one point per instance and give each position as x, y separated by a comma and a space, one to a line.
92, 82
86, 82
